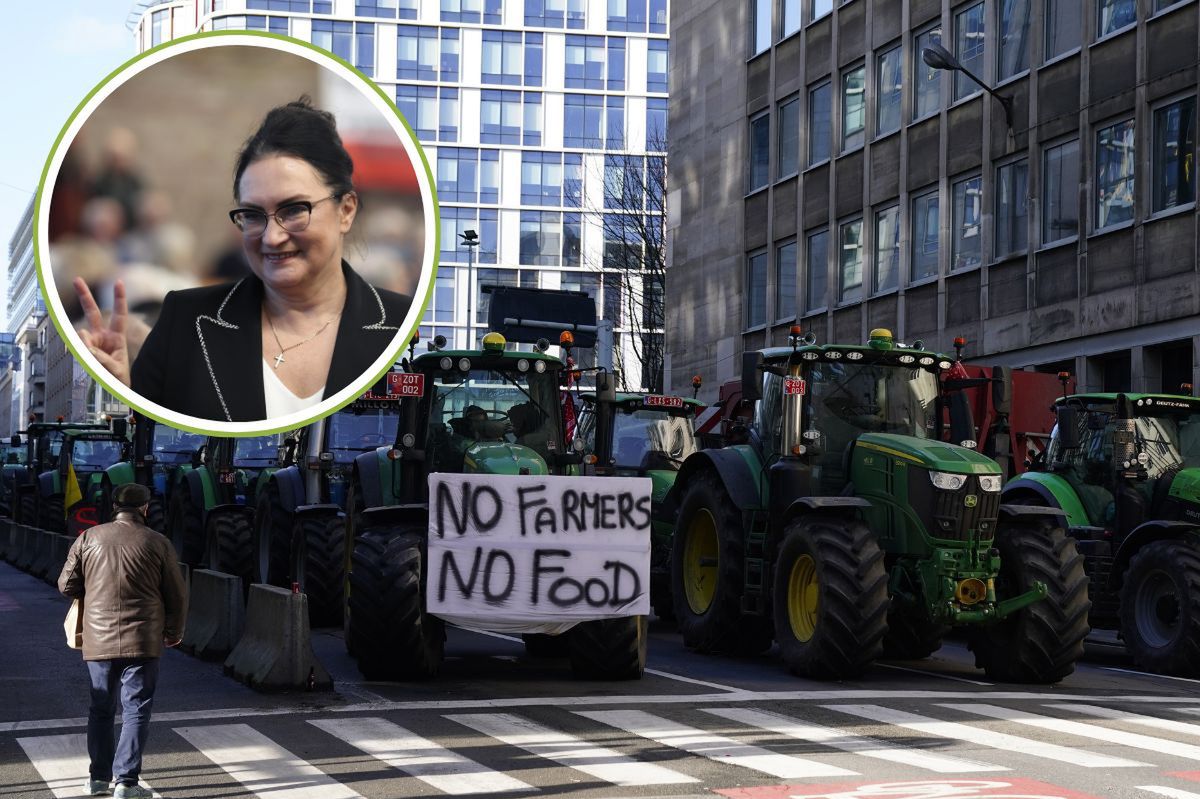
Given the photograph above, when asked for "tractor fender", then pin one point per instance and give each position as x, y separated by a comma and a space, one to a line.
732, 469
1146, 533
824, 506
291, 487
46, 484
120, 473
324, 510
395, 515
1052, 489
369, 477
194, 485
1010, 512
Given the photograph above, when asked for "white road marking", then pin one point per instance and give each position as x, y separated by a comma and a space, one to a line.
714, 747
602, 763
1130, 739
262, 766
1174, 793
838, 739
1169, 725
934, 674
419, 757
1137, 673
62, 761
984, 737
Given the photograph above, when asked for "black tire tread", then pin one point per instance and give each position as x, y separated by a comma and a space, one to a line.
909, 636
608, 649
1182, 657
273, 529
184, 527
52, 515
229, 544
322, 550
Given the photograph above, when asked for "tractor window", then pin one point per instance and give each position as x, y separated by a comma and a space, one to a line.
94, 455
175, 446
1169, 441
351, 433
768, 415
1189, 440
256, 451
643, 432
873, 398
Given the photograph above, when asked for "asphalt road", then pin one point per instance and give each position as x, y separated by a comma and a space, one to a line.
499, 722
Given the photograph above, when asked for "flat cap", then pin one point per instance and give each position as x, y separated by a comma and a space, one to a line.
131, 495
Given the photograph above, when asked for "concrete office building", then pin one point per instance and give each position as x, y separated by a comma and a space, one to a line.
824, 175
532, 114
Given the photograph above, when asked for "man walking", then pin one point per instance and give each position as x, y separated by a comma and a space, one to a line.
134, 603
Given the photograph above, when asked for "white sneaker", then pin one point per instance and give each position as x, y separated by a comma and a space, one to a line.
96, 788
132, 792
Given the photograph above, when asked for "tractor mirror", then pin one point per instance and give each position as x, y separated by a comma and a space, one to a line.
120, 426
606, 387
751, 376
15, 441
1067, 418
962, 423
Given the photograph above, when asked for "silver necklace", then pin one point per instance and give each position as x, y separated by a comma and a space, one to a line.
282, 349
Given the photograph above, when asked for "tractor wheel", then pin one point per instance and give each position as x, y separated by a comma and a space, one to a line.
317, 566
707, 574
540, 645
104, 512
391, 635
184, 527
27, 509
910, 636
228, 538
353, 522
608, 649
1041, 642
53, 518
830, 598
1160, 608
272, 539
155, 517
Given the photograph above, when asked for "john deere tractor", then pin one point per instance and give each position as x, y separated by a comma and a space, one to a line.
155, 455
299, 522
1125, 469
845, 530
475, 412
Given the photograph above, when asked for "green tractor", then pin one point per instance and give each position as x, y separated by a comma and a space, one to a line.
462, 412
211, 510
42, 443
846, 530
156, 453
299, 521
68, 495
645, 435
1125, 469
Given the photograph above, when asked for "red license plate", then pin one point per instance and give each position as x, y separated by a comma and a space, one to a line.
659, 401
403, 384
794, 385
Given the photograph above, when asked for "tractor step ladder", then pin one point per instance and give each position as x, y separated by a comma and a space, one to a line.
756, 524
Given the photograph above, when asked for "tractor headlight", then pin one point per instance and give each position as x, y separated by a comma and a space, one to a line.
990, 482
947, 481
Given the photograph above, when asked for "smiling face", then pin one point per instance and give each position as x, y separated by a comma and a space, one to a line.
287, 261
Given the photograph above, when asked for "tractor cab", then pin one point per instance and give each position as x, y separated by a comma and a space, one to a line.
651, 434
362, 426
69, 495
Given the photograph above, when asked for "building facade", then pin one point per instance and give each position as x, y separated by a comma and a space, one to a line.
824, 175
544, 122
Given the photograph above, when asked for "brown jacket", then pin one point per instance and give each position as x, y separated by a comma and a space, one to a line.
133, 593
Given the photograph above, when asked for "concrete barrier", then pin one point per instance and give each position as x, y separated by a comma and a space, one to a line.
216, 615
5, 538
60, 545
186, 572
29, 550
42, 552
275, 651
18, 540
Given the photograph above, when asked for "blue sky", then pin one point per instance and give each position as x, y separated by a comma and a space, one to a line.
55, 53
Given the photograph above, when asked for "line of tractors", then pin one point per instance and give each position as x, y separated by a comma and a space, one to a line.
855, 502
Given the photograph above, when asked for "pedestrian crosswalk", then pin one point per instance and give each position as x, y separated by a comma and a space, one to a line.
673, 749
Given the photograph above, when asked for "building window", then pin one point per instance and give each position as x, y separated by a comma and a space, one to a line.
500, 117
531, 132
583, 120
925, 221
816, 270
887, 92
522, 278
927, 81
295, 6
616, 64
160, 22
504, 58
1012, 208
450, 54
468, 175
756, 290
1060, 187
554, 13
1114, 174
820, 120
279, 25
968, 49
584, 62
968, 210
614, 124
785, 282
760, 151
789, 18
850, 261
1014, 37
656, 65
854, 108
761, 32
625, 183
417, 53
820, 8
656, 124
336, 37
1062, 27
388, 9
456, 221
789, 138
887, 249
533, 59
1115, 15
470, 10
638, 15
1174, 154
549, 238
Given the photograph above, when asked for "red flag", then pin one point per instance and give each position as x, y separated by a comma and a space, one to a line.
568, 412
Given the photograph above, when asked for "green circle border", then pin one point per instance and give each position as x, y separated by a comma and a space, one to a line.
40, 269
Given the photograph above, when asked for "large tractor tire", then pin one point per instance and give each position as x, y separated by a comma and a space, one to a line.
1160, 608
707, 574
390, 633
353, 522
910, 636
53, 517
228, 544
27, 509
1041, 642
830, 598
272, 546
317, 567
184, 527
608, 649
156, 517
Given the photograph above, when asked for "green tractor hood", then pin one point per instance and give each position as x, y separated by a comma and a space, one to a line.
934, 455
499, 457
1186, 486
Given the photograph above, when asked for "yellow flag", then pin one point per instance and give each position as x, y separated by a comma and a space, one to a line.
72, 492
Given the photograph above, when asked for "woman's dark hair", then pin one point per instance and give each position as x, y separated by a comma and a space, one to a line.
302, 131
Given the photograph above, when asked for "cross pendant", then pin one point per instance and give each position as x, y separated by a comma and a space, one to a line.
278, 360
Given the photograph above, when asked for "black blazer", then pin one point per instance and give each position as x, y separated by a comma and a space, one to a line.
203, 357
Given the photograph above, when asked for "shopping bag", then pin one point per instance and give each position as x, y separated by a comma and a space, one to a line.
73, 625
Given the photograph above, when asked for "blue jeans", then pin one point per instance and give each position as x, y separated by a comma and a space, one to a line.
132, 680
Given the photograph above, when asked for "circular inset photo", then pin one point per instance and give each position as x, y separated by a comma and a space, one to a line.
236, 233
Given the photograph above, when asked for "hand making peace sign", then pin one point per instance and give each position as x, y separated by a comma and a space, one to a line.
106, 342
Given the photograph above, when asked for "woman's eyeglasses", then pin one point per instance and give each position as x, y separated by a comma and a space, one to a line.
293, 217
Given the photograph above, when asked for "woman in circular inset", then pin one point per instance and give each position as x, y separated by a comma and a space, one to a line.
301, 328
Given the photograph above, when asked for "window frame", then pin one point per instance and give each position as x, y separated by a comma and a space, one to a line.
1097, 129
1115, 31
898, 50
956, 223
762, 117
792, 100
808, 308
843, 106
808, 127
780, 296
1043, 172
914, 198
997, 167
843, 224
898, 248
999, 61
1047, 57
916, 63
1155, 182
747, 324
974, 88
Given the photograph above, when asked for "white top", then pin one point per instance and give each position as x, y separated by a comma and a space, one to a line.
281, 401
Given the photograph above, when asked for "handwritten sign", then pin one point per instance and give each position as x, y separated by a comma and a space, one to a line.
794, 385
524, 548
405, 384
661, 401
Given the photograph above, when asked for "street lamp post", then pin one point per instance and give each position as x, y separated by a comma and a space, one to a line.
470, 240
939, 57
